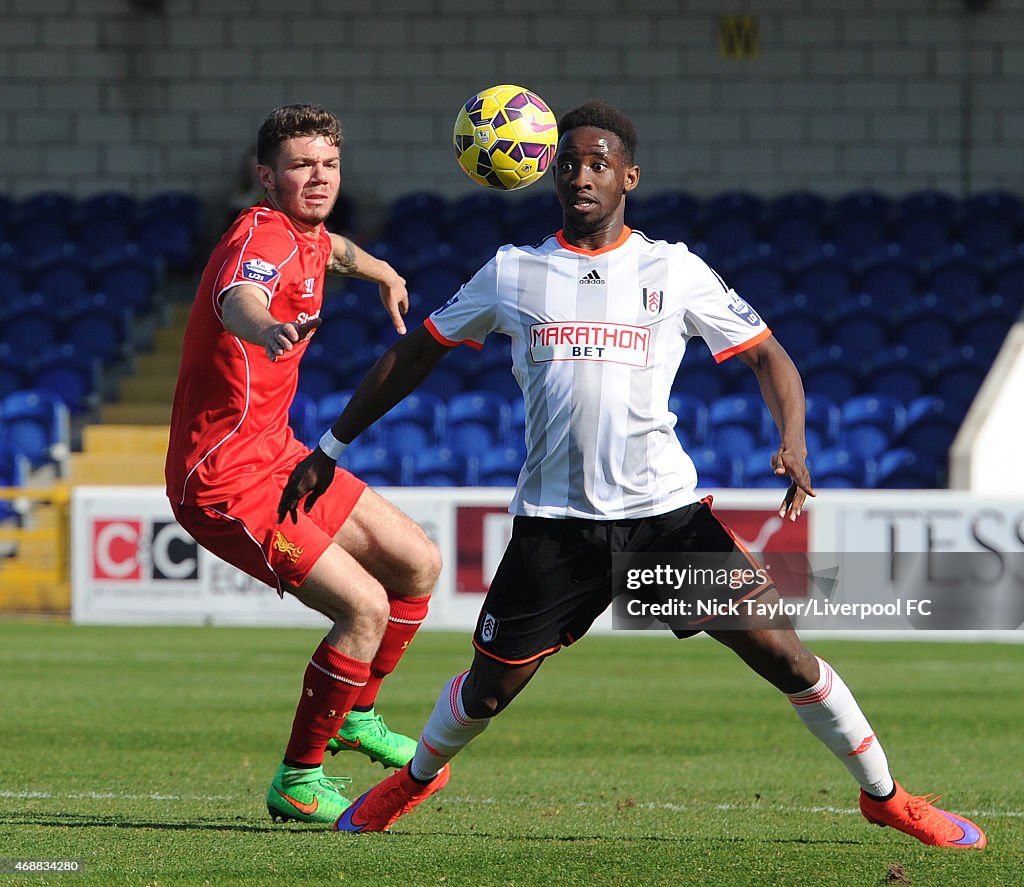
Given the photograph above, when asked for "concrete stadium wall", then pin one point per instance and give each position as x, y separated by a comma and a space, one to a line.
158, 94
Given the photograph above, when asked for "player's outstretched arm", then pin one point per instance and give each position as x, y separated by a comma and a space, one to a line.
397, 373
349, 259
783, 392
244, 314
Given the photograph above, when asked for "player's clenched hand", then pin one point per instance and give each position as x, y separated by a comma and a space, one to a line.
310, 478
792, 464
282, 336
395, 299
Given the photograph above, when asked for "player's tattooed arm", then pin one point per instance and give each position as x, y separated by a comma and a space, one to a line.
347, 258
343, 256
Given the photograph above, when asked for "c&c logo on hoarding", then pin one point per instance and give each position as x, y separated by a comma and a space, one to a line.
134, 550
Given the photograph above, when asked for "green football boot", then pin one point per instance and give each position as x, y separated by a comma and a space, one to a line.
306, 795
366, 732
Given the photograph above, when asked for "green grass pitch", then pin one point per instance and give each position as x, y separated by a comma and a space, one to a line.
146, 754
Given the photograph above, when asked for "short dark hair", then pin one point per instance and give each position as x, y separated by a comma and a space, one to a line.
603, 116
290, 121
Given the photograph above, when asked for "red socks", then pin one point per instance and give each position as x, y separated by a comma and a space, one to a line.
330, 687
406, 616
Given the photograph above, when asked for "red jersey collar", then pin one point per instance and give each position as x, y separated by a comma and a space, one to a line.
562, 242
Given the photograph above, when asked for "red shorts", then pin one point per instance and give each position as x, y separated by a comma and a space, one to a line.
245, 532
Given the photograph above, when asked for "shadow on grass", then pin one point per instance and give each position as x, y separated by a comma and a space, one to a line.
80, 820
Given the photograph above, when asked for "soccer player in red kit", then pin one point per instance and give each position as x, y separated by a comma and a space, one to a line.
355, 558
599, 317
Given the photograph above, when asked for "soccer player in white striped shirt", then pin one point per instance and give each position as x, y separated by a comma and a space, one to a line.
599, 317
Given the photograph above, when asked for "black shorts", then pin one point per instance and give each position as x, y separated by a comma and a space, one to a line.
555, 577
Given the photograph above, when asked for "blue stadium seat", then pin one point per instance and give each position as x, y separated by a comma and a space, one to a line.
985, 325
827, 282
830, 372
30, 324
728, 236
745, 410
1007, 277
404, 437
891, 279
35, 423
499, 466
440, 467
716, 469
925, 222
97, 326
861, 328
320, 372
667, 215
902, 468
15, 470
376, 465
332, 405
928, 327
931, 425
168, 226
896, 371
798, 328
65, 371
345, 335
761, 279
473, 438
534, 216
870, 423
41, 206
129, 275
62, 277
795, 223
423, 408
699, 375
498, 379
757, 470
957, 376
13, 370
839, 468
955, 278
480, 407
12, 279
437, 280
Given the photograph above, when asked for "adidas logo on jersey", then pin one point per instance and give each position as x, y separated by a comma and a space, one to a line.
592, 277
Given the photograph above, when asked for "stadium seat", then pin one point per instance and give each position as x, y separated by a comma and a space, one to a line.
12, 278
896, 371
957, 377
928, 328
830, 372
955, 278
437, 280
168, 226
827, 282
891, 279
1007, 277
404, 437
481, 407
29, 324
97, 326
795, 223
128, 275
698, 373
668, 215
931, 425
744, 410
534, 216
376, 465
859, 224
924, 222
41, 206
902, 468
499, 466
440, 467
423, 408
715, 468
839, 468
62, 277
332, 405
35, 423
74, 377
13, 372
761, 279
860, 328
798, 328
320, 372
728, 236
498, 379
757, 470
985, 325
345, 334
870, 423
14, 472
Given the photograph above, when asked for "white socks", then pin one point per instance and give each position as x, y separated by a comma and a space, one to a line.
447, 731
830, 712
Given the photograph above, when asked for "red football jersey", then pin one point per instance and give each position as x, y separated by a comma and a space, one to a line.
229, 422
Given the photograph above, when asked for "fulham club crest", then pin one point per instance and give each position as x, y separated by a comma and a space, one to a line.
488, 628
653, 300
